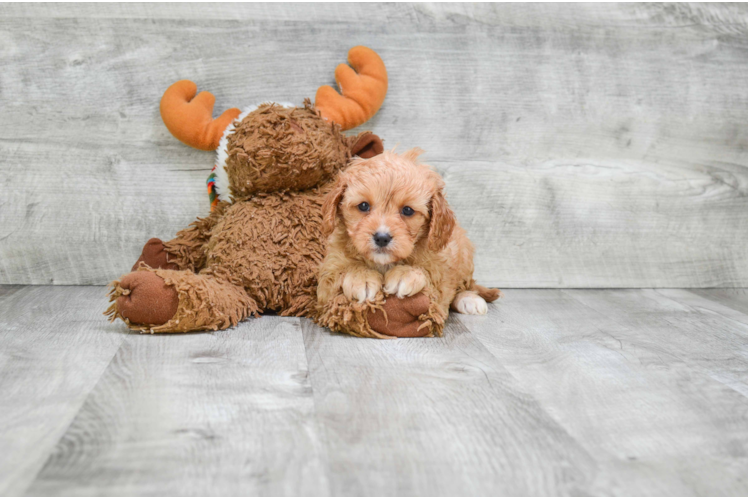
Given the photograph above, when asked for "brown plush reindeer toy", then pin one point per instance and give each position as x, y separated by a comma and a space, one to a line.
261, 245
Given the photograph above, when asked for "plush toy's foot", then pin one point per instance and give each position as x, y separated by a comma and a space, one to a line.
146, 299
166, 301
399, 317
155, 255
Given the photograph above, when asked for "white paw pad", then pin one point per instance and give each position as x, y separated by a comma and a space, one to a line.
470, 303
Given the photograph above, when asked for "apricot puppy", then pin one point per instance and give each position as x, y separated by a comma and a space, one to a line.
392, 233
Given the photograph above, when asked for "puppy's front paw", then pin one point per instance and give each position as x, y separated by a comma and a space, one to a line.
362, 284
404, 281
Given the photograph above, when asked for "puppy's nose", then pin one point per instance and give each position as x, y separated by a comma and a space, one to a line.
382, 239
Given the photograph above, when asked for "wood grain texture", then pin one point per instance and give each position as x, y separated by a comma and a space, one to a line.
583, 145
554, 392
736, 299
698, 336
725, 20
54, 346
437, 417
652, 387
229, 413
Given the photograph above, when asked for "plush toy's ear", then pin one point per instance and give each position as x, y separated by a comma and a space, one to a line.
331, 204
363, 90
367, 145
442, 220
190, 118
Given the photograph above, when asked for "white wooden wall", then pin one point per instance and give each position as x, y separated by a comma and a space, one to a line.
588, 145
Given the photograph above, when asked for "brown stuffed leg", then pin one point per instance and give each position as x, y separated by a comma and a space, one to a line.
155, 255
168, 301
187, 250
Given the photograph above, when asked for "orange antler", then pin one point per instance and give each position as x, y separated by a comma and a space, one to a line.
363, 90
191, 120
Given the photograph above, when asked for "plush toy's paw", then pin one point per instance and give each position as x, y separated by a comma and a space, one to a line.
404, 281
155, 256
469, 302
401, 317
361, 284
146, 299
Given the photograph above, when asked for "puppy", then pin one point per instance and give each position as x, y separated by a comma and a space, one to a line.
391, 231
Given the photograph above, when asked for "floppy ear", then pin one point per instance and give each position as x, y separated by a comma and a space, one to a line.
330, 206
442, 221
367, 145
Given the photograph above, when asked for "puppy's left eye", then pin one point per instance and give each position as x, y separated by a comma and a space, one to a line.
407, 211
363, 206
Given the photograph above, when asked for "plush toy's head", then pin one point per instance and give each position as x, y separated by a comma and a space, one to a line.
272, 146
275, 147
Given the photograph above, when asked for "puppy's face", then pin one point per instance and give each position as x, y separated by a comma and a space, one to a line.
386, 212
388, 203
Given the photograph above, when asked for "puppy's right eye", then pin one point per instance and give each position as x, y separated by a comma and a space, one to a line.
363, 206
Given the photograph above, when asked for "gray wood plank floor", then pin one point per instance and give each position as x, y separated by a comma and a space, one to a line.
566, 392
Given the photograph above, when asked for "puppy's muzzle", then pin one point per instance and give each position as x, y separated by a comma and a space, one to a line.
382, 239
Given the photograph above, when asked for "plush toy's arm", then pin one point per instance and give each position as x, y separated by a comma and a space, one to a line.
334, 310
406, 282
188, 248
383, 316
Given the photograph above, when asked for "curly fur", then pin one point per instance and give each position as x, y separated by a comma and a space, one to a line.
428, 252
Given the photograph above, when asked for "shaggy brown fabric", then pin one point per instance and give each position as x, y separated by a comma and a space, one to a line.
204, 303
261, 251
400, 317
422, 317
271, 246
154, 255
145, 298
188, 248
342, 315
276, 148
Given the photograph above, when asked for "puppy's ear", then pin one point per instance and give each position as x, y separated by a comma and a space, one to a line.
442, 221
330, 205
367, 145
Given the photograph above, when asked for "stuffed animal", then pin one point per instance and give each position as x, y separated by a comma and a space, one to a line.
261, 245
